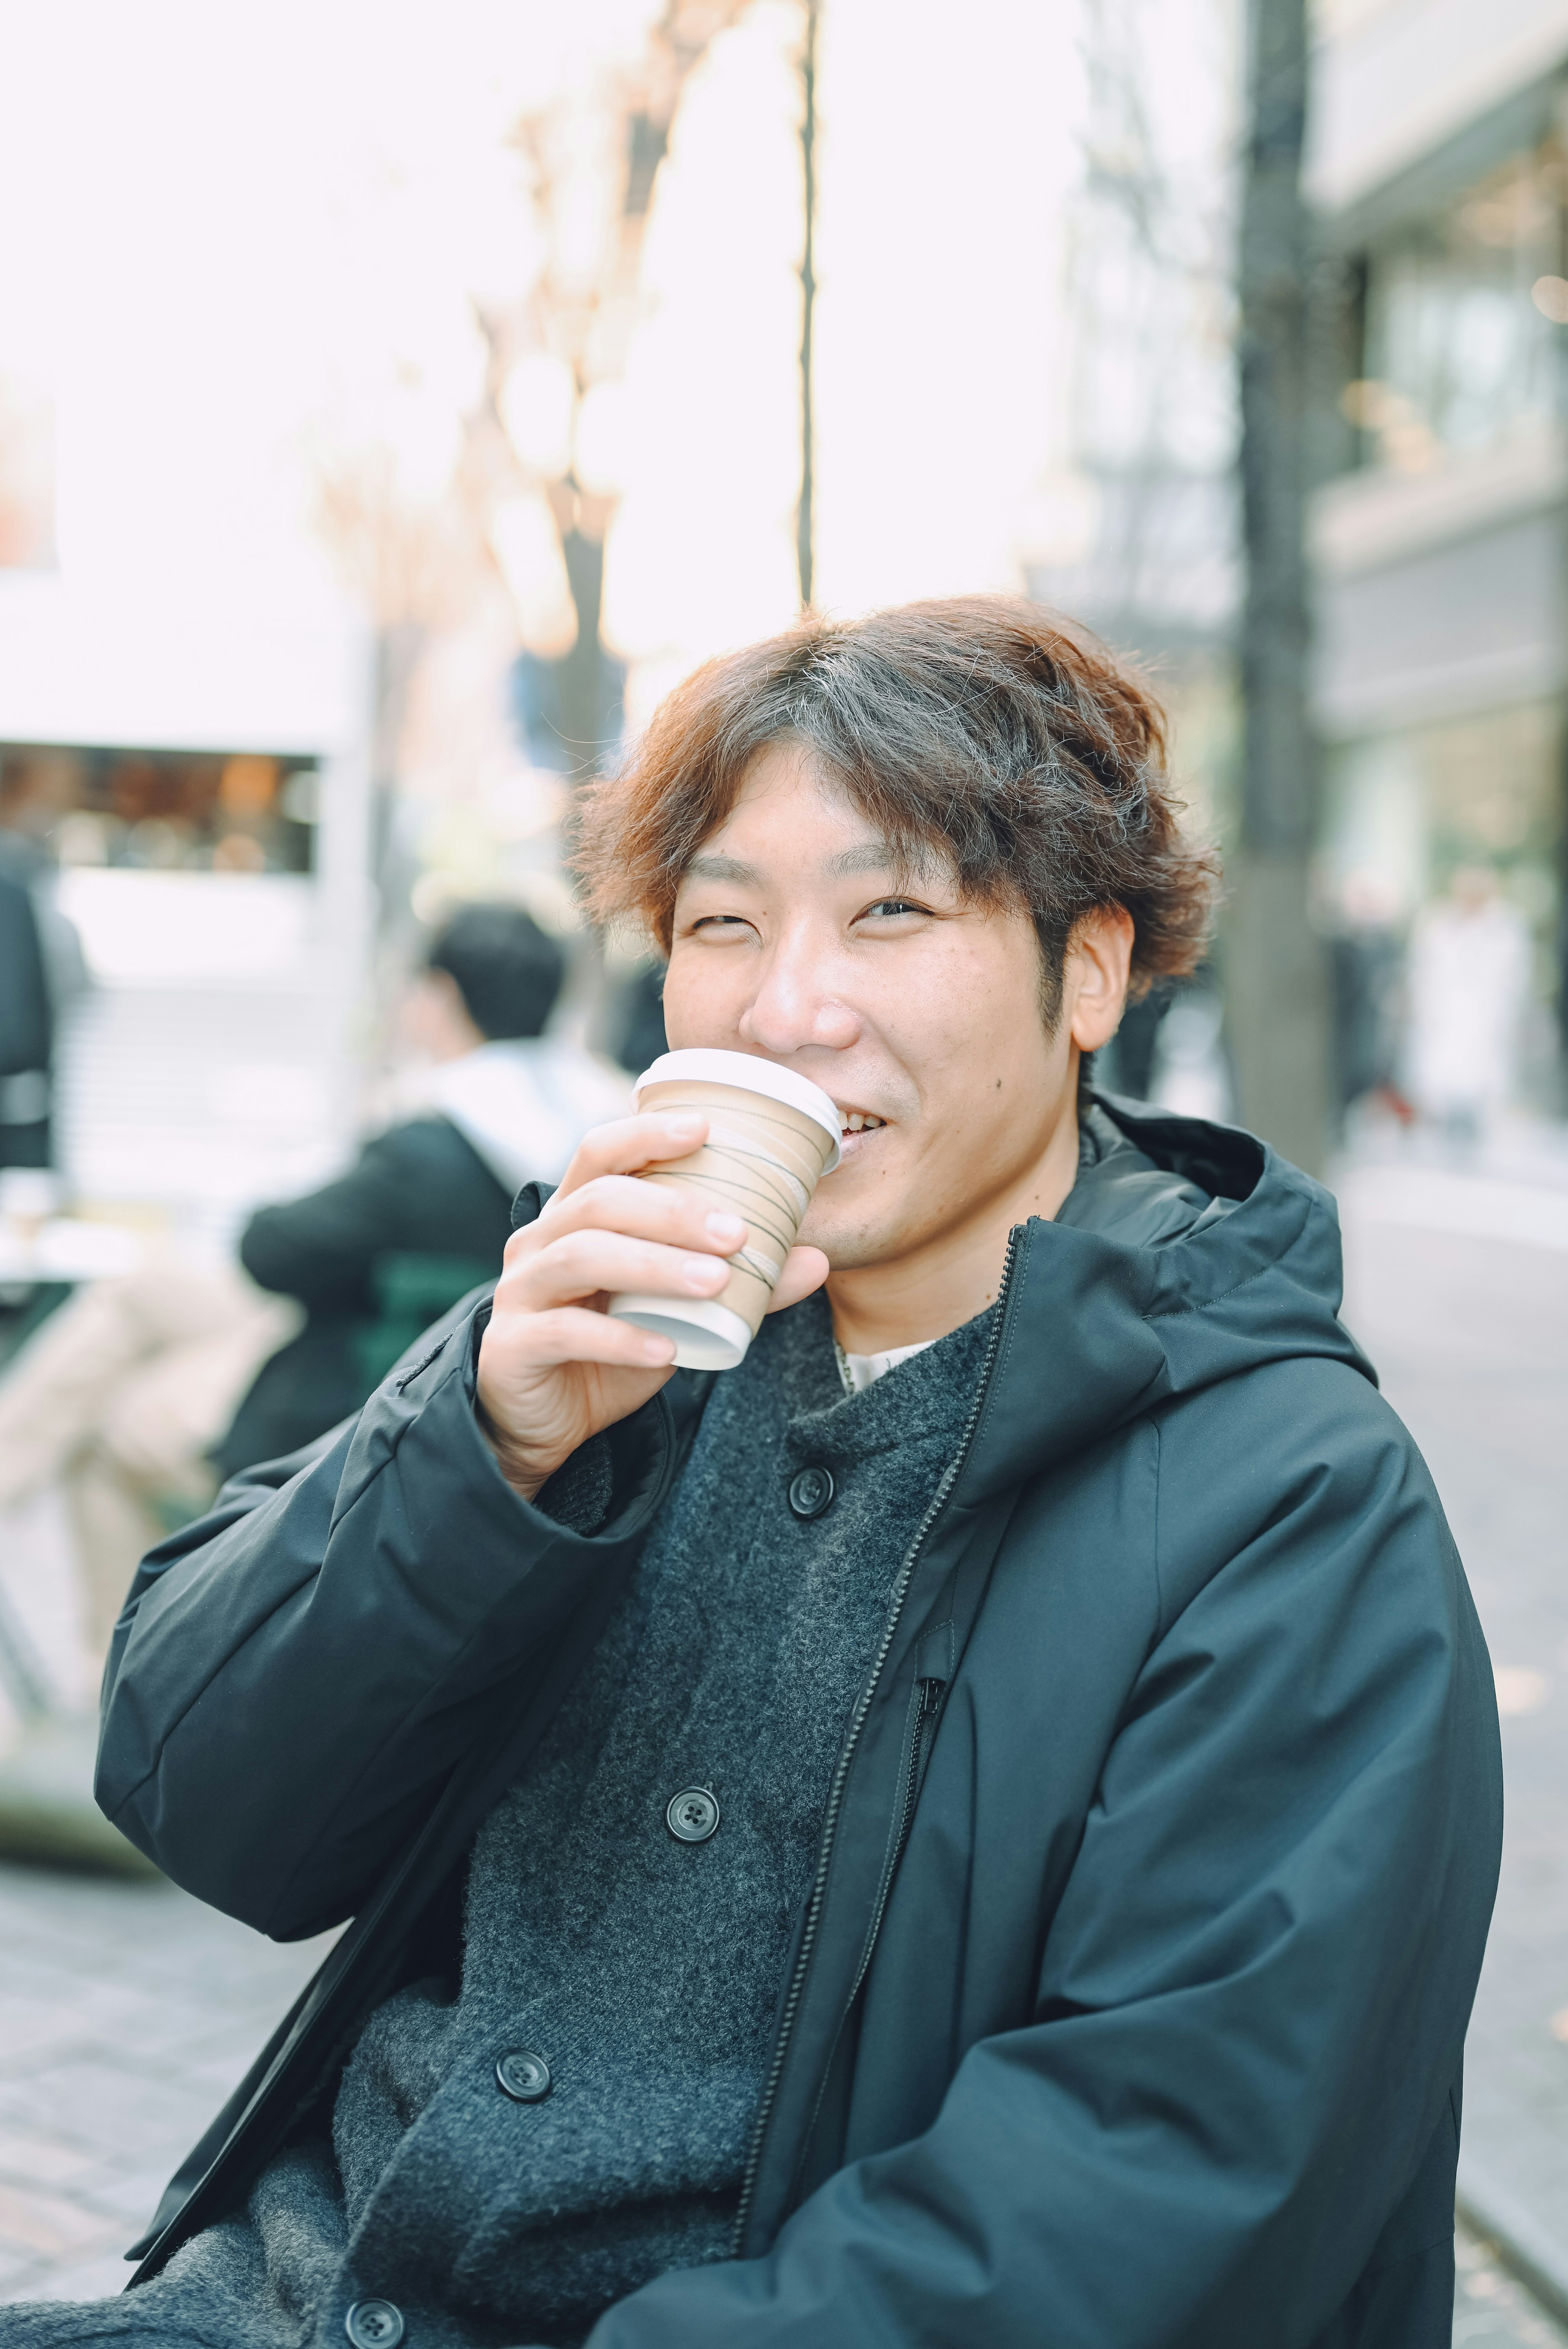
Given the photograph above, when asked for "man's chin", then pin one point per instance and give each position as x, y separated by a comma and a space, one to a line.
849, 1240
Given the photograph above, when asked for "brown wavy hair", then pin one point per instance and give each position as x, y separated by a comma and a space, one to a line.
1006, 739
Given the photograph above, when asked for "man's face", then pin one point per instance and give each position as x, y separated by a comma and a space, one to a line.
918, 1012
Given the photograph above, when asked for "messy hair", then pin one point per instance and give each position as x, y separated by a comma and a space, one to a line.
1006, 740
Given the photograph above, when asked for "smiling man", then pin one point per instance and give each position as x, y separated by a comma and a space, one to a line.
975, 1829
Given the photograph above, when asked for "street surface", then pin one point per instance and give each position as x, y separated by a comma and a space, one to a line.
128, 2010
1470, 1334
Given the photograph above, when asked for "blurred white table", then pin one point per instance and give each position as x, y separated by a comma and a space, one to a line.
65, 1248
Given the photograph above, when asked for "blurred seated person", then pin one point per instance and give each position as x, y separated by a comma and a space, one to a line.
41, 967
27, 1027
126, 1394
505, 1106
116, 1397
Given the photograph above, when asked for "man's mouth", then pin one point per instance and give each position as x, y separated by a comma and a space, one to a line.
858, 1120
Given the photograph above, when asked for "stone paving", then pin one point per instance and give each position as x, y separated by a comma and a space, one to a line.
128, 2011
1471, 1336
1490, 2311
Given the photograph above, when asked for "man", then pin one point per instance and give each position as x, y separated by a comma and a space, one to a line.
504, 1105
975, 1828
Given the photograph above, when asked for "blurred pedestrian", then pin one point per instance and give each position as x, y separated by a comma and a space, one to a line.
638, 1035
504, 1105
26, 1030
1366, 959
1469, 983
41, 972
117, 1397
1128, 1063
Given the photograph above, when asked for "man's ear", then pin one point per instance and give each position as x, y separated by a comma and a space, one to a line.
1093, 976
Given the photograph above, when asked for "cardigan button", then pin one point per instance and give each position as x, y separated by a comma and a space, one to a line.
374, 2324
692, 1815
524, 2076
811, 1491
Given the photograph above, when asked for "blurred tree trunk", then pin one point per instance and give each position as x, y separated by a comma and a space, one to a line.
805, 512
587, 315
1277, 988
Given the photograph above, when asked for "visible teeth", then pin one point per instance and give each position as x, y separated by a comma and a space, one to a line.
857, 1121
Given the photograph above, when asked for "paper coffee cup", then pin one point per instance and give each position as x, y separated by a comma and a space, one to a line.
772, 1136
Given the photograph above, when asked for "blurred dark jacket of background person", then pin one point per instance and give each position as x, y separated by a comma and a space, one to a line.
1366, 962
41, 972
26, 1029
426, 1211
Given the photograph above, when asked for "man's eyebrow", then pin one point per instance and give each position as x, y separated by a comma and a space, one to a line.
918, 864
869, 856
720, 868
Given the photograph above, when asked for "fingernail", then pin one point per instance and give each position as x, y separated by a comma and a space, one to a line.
702, 1273
657, 1350
686, 1125
725, 1229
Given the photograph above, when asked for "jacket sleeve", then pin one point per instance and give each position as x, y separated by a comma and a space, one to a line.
322, 1248
296, 1674
1252, 2001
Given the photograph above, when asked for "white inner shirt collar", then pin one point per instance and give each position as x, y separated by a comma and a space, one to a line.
861, 1371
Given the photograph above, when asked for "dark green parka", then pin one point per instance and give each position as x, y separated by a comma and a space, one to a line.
1128, 2007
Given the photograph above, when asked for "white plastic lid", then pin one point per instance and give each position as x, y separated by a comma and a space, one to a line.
701, 1066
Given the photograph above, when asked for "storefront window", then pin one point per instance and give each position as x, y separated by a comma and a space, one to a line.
1466, 809
1456, 353
170, 810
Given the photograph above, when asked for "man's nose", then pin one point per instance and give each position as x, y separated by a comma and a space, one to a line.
795, 1005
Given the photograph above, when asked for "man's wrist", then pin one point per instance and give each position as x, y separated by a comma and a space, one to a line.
524, 1475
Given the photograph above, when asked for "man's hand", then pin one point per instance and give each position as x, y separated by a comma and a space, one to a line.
554, 1366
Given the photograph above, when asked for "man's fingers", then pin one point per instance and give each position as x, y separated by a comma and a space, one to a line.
681, 1217
573, 1333
805, 1269
628, 1143
592, 1262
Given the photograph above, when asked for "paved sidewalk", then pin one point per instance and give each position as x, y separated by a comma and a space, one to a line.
128, 2012
1471, 1336
1490, 2311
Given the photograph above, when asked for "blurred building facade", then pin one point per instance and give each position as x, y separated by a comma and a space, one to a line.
1439, 174
1439, 177
198, 773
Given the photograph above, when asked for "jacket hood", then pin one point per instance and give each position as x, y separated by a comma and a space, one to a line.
1095, 1331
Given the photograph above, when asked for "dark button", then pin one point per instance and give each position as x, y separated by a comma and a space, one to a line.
374, 2324
692, 1815
524, 2077
810, 1490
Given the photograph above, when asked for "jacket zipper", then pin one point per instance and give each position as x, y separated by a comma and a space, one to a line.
928, 1697
840, 1776
925, 1704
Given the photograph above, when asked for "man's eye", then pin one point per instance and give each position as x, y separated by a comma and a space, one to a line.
890, 907
710, 922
